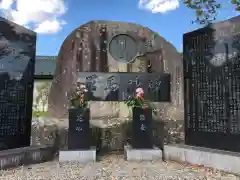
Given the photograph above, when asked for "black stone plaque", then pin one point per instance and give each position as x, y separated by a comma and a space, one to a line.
129, 82
156, 86
17, 61
119, 86
142, 137
212, 87
101, 86
79, 129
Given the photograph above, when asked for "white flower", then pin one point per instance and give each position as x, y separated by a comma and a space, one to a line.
82, 86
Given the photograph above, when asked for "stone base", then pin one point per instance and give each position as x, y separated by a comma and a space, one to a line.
210, 158
142, 154
25, 156
82, 156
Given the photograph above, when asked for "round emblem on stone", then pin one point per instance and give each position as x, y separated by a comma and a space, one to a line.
123, 48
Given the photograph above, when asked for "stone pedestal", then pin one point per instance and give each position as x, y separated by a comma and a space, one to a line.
82, 156
142, 129
25, 156
131, 154
78, 138
221, 160
79, 129
142, 147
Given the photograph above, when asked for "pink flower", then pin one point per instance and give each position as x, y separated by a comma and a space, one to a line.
139, 92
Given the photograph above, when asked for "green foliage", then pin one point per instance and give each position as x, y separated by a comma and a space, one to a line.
207, 10
39, 113
135, 102
155, 34
237, 4
75, 101
42, 96
78, 98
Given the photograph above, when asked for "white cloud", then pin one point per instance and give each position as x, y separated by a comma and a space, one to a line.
6, 4
36, 12
50, 26
158, 6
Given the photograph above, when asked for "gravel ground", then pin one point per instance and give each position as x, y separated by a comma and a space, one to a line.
114, 167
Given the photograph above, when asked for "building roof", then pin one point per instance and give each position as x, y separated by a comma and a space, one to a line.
45, 67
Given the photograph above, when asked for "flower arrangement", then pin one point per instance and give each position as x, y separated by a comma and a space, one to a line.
139, 101
78, 98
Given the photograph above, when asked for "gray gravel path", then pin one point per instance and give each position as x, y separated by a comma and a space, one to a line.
114, 167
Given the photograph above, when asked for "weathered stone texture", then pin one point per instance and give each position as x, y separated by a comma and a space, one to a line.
85, 49
107, 134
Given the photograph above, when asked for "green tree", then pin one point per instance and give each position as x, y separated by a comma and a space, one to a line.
42, 96
206, 10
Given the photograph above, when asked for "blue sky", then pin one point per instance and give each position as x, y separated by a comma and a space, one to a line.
55, 19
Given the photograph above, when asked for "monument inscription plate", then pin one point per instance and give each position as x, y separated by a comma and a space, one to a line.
17, 60
212, 88
101, 86
119, 86
158, 87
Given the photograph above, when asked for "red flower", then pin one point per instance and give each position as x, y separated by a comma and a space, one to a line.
81, 99
145, 108
140, 98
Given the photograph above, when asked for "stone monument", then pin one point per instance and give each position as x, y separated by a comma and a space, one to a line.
90, 48
17, 61
212, 86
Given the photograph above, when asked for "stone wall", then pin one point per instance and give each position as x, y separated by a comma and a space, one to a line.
107, 134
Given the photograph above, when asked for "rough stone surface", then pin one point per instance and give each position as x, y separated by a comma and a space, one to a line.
92, 55
213, 158
25, 155
114, 167
107, 134
82, 156
152, 154
44, 131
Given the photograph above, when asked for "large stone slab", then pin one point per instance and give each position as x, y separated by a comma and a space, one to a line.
92, 55
26, 155
81, 156
17, 61
211, 158
131, 154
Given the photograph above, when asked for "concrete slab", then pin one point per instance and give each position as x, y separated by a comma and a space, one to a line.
25, 156
131, 154
211, 158
82, 156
